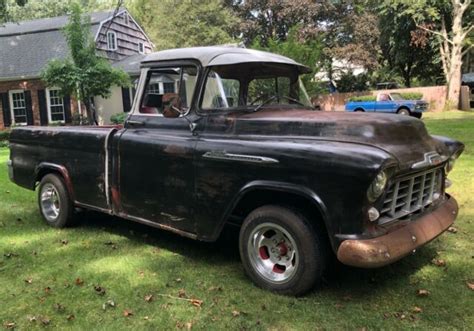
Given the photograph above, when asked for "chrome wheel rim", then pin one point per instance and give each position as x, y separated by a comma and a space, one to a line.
273, 253
50, 202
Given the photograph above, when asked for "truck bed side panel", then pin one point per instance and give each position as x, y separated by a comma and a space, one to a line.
81, 151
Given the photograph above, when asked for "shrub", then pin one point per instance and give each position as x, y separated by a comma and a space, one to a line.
118, 118
363, 98
412, 95
4, 137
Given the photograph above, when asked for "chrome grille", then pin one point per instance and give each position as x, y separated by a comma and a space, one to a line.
410, 194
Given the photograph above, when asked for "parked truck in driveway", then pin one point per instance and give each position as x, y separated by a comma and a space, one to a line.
222, 136
390, 103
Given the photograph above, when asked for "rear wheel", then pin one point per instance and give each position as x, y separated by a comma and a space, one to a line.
280, 250
403, 111
54, 202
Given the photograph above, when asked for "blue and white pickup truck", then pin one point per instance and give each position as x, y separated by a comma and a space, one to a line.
389, 103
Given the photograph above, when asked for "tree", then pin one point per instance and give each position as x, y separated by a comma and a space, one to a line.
308, 53
84, 74
185, 23
405, 51
444, 19
4, 8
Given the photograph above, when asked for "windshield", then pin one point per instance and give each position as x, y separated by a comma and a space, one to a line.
253, 86
396, 96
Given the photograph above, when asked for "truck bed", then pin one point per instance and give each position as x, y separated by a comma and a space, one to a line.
77, 152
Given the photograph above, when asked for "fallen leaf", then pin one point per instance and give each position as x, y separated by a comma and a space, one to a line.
79, 282
146, 318
422, 293
182, 293
439, 262
196, 303
9, 255
141, 274
108, 303
470, 285
178, 280
9, 325
31, 318
127, 313
47, 289
149, 298
215, 288
59, 307
189, 325
99, 290
45, 321
386, 315
64, 241
452, 229
70, 317
417, 310
235, 313
29, 280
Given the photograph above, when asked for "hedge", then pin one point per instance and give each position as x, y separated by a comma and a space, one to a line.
405, 96
4, 137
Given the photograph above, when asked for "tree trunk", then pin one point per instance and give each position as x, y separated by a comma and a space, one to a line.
90, 112
454, 57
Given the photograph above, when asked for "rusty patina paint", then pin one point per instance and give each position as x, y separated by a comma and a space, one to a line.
386, 249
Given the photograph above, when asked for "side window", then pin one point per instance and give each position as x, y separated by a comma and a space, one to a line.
220, 93
169, 91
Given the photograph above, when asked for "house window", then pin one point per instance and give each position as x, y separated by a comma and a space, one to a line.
111, 41
154, 88
141, 48
55, 106
168, 87
18, 107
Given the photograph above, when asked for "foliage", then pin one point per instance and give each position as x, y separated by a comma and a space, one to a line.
363, 98
84, 74
304, 52
173, 24
4, 135
411, 95
119, 118
405, 96
6, 8
402, 53
49, 275
351, 83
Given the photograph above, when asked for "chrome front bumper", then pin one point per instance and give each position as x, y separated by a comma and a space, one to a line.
386, 249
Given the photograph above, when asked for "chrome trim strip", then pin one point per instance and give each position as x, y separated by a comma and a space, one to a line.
239, 157
430, 159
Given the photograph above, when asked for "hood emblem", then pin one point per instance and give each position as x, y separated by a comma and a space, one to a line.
430, 159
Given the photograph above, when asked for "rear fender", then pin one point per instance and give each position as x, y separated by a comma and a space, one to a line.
45, 168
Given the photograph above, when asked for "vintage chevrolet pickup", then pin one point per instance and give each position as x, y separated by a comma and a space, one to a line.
221, 136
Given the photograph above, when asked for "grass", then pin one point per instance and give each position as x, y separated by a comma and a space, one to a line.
47, 276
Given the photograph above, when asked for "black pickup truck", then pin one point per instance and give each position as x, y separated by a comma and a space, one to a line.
222, 136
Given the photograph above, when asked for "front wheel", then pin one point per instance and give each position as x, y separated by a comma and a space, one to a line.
54, 202
280, 250
403, 111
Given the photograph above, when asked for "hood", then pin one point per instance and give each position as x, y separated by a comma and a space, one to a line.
403, 137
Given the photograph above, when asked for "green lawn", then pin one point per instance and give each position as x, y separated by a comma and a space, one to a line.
53, 278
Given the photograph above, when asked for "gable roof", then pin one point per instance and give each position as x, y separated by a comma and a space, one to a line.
26, 47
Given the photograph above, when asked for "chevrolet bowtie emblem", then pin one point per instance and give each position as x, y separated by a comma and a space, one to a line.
430, 159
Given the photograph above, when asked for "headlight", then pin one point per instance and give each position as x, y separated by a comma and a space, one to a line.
377, 187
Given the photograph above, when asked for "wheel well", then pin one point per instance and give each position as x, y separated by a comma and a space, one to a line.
404, 107
47, 171
359, 109
261, 197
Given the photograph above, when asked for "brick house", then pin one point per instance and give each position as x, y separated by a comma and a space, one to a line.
26, 48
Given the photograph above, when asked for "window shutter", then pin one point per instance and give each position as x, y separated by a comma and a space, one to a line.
43, 107
7, 121
29, 108
127, 104
67, 108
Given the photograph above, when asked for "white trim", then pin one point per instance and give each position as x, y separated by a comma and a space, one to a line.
12, 112
115, 46
48, 105
118, 14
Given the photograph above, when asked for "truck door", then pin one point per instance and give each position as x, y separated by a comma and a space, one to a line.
384, 104
156, 152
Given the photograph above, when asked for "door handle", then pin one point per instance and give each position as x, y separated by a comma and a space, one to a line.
135, 123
